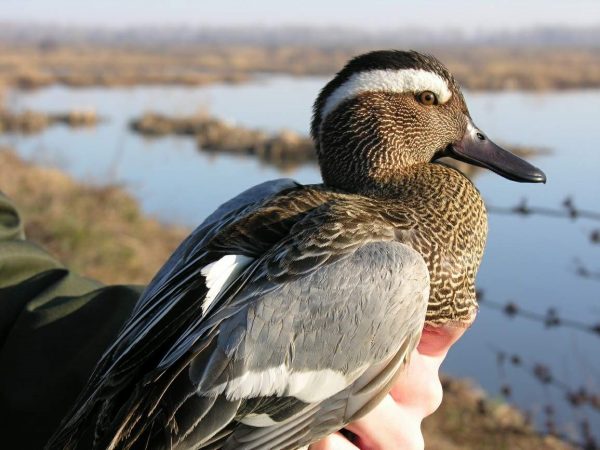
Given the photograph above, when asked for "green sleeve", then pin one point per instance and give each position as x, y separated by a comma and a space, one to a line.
54, 326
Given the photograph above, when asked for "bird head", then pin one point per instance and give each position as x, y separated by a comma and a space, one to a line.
388, 110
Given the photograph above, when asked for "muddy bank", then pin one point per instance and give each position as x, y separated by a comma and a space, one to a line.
99, 231
285, 149
470, 420
28, 122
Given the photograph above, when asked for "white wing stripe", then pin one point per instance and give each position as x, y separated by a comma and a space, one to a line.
309, 386
220, 273
258, 420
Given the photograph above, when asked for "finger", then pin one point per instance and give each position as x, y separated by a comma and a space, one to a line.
396, 421
388, 426
334, 441
418, 388
436, 341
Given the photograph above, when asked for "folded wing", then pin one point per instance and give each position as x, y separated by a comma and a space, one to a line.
274, 349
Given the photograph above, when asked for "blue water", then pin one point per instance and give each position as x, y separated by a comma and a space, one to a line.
529, 260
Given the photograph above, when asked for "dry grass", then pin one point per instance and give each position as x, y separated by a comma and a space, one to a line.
33, 121
77, 66
482, 68
97, 231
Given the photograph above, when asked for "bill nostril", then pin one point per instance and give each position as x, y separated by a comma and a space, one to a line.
480, 136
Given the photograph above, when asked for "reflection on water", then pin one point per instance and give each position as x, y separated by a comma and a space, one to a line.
528, 260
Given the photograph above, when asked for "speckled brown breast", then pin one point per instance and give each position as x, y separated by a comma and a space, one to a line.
450, 230
439, 212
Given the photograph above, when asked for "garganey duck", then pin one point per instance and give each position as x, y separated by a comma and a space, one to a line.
289, 312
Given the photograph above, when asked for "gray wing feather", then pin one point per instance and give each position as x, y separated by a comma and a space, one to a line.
318, 420
317, 313
344, 315
356, 320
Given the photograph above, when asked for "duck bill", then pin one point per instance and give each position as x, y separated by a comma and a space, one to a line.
475, 148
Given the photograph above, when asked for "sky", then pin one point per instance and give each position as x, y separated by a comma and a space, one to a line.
466, 15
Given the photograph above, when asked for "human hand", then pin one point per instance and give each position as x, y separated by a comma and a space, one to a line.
396, 422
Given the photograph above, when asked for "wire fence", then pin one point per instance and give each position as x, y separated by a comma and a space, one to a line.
550, 318
581, 398
567, 209
577, 397
585, 272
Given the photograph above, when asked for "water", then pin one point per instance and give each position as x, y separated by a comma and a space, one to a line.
169, 176
528, 260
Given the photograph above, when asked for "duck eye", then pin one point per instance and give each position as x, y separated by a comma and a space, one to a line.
427, 98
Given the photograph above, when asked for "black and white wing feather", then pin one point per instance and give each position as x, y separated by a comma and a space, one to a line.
272, 349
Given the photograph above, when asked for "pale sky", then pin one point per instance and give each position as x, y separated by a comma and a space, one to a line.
466, 15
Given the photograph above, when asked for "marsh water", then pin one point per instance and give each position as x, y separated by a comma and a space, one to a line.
529, 260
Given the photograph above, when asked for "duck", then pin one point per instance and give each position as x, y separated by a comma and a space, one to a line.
290, 311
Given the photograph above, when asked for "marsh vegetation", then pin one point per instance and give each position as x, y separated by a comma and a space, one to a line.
30, 66
35, 121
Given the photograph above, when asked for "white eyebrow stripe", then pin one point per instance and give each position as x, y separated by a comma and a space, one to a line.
400, 81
